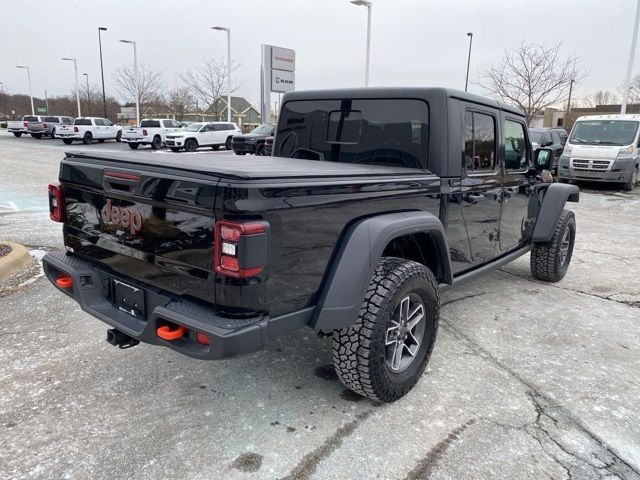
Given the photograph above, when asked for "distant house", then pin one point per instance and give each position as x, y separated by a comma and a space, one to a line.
242, 112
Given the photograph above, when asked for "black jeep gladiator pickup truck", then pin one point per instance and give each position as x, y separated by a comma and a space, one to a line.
375, 201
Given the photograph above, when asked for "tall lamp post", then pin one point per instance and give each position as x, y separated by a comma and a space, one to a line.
86, 75
33, 110
466, 82
75, 69
228, 30
135, 76
104, 97
366, 3
566, 113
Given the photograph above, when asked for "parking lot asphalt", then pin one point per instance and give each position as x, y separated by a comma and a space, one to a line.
527, 379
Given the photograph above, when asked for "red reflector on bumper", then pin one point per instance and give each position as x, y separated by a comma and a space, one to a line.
64, 282
203, 338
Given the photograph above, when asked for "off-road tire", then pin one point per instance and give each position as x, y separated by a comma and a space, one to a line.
190, 145
87, 138
359, 350
546, 262
227, 144
633, 180
17, 134
156, 143
134, 146
67, 141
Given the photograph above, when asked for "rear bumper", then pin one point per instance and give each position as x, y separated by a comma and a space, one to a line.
17, 130
140, 140
228, 337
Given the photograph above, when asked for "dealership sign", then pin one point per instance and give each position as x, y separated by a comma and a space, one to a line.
277, 74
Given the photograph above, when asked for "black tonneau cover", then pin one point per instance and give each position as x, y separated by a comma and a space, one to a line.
249, 168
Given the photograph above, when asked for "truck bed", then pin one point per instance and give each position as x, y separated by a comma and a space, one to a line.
249, 168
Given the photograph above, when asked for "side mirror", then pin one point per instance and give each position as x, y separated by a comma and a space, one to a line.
543, 157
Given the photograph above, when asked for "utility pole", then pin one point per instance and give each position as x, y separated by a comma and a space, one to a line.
366, 3
632, 54
135, 76
26, 67
466, 82
75, 69
88, 95
46, 101
228, 30
104, 97
568, 110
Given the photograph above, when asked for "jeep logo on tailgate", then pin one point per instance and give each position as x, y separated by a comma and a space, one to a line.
122, 217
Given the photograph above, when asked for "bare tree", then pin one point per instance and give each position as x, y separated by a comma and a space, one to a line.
180, 101
208, 82
532, 77
601, 97
634, 90
150, 85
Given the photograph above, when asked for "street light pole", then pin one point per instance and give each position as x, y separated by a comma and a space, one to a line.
75, 69
88, 94
566, 114
366, 3
228, 30
466, 82
104, 97
135, 76
26, 67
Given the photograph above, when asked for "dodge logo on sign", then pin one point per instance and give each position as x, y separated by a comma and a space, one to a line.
121, 217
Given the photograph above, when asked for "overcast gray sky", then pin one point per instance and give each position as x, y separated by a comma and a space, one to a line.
414, 42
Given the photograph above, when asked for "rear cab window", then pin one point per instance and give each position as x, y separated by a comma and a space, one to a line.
82, 121
388, 132
150, 124
29, 118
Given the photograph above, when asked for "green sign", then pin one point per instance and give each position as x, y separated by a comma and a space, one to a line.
41, 110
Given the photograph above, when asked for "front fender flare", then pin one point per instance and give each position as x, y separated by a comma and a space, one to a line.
358, 255
553, 202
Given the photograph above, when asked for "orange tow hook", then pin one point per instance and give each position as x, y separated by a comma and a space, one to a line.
64, 282
165, 332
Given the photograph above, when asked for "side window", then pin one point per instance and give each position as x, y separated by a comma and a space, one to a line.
99, 122
515, 146
479, 143
555, 136
546, 139
563, 137
106, 122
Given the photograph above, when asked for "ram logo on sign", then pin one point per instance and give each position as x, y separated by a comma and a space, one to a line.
282, 81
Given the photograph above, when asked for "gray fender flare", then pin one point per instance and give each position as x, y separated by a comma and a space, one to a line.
358, 255
553, 202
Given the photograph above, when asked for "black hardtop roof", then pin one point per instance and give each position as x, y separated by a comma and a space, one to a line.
424, 93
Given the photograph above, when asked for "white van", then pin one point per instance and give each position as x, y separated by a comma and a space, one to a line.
602, 148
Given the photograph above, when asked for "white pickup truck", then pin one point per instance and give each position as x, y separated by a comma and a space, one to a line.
152, 131
87, 129
18, 127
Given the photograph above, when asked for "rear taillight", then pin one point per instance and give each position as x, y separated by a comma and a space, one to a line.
240, 249
56, 202
144, 133
76, 129
44, 125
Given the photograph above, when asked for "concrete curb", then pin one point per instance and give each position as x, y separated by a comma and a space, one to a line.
15, 261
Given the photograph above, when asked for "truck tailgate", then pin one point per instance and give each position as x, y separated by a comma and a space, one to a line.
150, 226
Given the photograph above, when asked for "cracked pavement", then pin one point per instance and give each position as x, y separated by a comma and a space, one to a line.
527, 379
